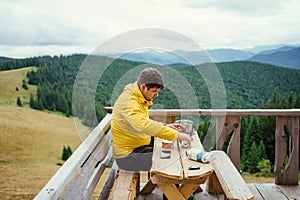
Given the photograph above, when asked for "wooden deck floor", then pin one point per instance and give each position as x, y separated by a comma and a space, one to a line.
260, 192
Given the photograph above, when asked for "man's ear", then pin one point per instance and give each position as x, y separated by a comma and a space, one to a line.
143, 87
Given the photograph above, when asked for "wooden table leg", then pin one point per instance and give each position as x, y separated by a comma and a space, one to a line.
148, 188
188, 189
171, 191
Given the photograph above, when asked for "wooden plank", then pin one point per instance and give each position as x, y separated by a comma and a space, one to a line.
125, 186
108, 185
205, 195
56, 185
164, 119
155, 195
196, 143
88, 191
225, 112
221, 112
255, 192
291, 191
205, 168
94, 179
139, 197
270, 192
229, 178
79, 184
169, 168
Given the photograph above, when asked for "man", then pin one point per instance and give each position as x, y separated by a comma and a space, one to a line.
131, 126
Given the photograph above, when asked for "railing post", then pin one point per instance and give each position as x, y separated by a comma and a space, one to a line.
288, 175
225, 126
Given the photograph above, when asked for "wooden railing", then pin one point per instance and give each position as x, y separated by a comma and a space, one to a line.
83, 169
79, 175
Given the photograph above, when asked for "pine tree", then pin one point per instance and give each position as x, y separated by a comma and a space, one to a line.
264, 164
274, 102
69, 151
248, 140
291, 102
252, 137
284, 104
24, 85
64, 155
253, 159
297, 102
19, 102
32, 102
262, 151
256, 130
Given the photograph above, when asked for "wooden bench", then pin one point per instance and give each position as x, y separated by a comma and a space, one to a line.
126, 186
79, 175
226, 178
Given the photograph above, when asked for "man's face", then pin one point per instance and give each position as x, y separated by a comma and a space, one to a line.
149, 94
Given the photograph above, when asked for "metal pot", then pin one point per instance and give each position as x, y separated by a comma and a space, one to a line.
187, 125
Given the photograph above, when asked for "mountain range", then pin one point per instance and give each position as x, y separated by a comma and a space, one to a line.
285, 56
281, 55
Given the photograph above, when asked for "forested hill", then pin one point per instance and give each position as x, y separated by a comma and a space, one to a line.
4, 59
251, 84
248, 84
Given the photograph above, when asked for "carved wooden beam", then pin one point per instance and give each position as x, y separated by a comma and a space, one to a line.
287, 175
226, 126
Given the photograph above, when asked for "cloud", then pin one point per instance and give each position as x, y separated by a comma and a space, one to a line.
36, 24
254, 7
60, 25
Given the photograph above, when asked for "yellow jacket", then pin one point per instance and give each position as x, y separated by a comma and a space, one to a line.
131, 126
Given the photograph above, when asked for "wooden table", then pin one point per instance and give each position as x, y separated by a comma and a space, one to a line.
165, 173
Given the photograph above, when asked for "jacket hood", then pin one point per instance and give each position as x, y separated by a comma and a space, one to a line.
134, 89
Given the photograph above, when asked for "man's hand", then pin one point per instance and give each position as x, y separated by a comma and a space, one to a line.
177, 127
181, 136
184, 137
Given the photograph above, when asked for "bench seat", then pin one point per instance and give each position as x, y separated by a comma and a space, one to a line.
126, 186
226, 179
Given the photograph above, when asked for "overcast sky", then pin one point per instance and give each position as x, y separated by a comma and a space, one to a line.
54, 27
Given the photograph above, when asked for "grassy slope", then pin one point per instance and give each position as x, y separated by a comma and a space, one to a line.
9, 81
31, 141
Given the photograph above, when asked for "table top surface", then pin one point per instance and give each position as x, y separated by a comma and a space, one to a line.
176, 167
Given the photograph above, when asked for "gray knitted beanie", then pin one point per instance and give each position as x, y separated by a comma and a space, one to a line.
150, 75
